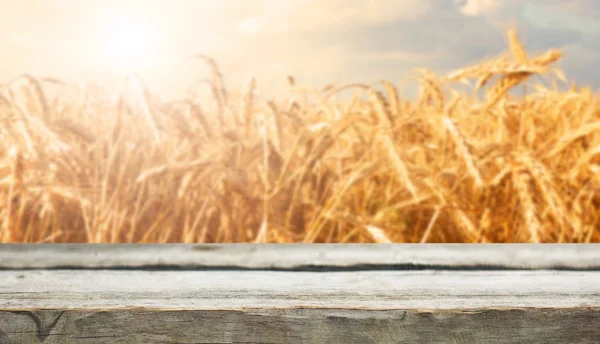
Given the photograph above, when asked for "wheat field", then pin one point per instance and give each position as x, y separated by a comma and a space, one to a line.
490, 153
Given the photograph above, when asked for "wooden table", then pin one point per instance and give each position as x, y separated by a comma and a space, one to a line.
299, 294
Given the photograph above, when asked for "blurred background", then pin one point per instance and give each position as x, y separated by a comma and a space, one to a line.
317, 41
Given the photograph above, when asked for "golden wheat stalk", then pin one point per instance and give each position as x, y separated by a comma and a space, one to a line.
430, 225
398, 164
463, 150
548, 190
378, 235
247, 105
522, 181
516, 47
382, 108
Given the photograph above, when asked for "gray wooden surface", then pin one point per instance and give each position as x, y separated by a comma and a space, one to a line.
297, 256
231, 294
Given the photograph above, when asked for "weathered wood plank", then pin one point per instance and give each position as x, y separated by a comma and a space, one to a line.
263, 294
317, 326
103, 306
218, 290
297, 256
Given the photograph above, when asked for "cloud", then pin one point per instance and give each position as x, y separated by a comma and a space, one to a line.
319, 41
480, 7
436, 34
315, 15
396, 56
580, 8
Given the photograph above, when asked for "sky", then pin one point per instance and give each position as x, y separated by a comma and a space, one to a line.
319, 42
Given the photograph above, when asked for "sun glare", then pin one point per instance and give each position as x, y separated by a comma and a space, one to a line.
131, 43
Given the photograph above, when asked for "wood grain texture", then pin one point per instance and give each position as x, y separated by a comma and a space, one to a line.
299, 294
104, 306
298, 256
300, 326
63, 289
